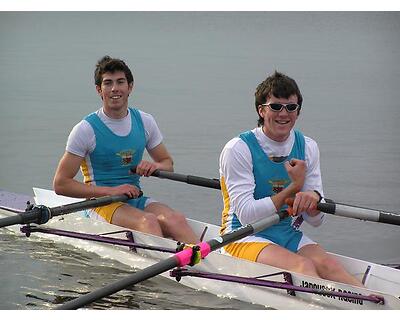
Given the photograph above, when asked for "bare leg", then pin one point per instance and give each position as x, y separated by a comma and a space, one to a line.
130, 217
280, 257
173, 223
327, 266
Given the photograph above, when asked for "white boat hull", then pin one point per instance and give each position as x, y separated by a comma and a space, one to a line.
381, 280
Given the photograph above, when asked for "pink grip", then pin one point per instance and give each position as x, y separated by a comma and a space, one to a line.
184, 257
205, 249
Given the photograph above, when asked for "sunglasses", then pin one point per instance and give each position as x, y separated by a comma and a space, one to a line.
277, 107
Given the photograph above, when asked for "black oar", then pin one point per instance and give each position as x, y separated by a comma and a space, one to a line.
198, 181
179, 259
41, 214
331, 207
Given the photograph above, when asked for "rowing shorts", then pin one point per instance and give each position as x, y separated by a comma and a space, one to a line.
250, 247
106, 212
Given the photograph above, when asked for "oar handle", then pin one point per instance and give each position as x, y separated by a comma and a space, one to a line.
359, 213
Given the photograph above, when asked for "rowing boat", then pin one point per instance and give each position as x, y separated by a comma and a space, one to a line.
218, 273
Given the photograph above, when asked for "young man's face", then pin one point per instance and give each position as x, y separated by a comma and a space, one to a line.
277, 124
114, 91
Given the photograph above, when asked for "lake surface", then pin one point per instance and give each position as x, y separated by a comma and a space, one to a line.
196, 72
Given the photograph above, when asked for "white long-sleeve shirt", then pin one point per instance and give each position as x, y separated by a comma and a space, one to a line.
236, 168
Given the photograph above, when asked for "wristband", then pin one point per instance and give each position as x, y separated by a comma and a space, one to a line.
319, 195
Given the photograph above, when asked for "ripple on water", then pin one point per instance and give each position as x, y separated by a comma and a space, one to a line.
39, 274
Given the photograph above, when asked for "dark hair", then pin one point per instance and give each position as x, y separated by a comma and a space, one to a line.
108, 64
278, 85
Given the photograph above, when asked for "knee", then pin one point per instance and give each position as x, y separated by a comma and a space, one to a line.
328, 266
305, 265
174, 220
179, 219
149, 221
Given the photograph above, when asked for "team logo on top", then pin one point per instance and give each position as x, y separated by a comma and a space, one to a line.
278, 185
126, 156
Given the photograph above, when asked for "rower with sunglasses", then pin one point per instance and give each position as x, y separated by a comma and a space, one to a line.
263, 169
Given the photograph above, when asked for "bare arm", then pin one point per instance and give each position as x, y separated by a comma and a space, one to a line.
65, 184
162, 161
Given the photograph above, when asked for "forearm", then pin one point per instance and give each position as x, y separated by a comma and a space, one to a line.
244, 205
253, 210
279, 198
166, 164
73, 188
162, 161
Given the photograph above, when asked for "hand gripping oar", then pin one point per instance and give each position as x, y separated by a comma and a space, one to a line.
330, 207
42, 214
179, 259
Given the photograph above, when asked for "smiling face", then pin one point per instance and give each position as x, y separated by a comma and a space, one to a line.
277, 124
114, 90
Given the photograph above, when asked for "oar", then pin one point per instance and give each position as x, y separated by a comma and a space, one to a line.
195, 180
345, 210
179, 259
330, 207
42, 214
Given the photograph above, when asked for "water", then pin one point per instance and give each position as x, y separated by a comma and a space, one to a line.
45, 274
196, 73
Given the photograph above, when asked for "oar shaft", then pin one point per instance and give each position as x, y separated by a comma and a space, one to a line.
359, 213
195, 180
21, 218
9, 221
87, 204
246, 231
41, 214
